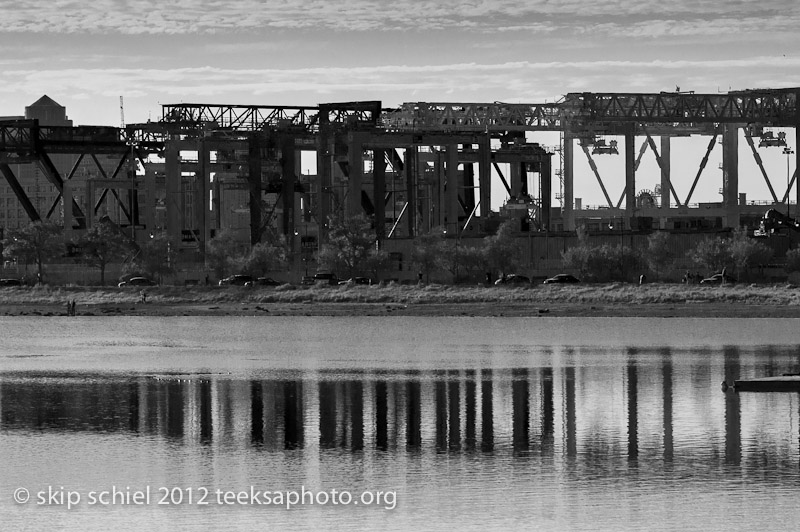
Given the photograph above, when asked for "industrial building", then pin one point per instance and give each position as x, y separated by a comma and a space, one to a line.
422, 166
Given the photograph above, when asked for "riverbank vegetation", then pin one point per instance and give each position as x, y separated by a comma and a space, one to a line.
422, 294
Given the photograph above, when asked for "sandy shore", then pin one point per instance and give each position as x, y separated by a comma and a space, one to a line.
658, 310
612, 300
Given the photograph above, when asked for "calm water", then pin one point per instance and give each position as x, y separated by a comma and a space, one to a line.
426, 423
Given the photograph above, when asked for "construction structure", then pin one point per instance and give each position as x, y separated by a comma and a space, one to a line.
204, 168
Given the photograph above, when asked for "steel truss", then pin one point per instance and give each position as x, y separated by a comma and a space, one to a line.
341, 132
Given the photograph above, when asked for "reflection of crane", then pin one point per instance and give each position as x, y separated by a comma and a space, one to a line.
773, 221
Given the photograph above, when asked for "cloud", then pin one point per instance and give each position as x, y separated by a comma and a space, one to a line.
553, 77
177, 17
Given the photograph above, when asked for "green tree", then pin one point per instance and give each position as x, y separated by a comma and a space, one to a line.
377, 262
426, 250
793, 260
712, 254
223, 253
350, 242
747, 252
100, 245
265, 256
37, 242
502, 249
658, 254
579, 256
156, 258
450, 255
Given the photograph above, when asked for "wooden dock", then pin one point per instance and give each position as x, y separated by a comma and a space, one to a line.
781, 383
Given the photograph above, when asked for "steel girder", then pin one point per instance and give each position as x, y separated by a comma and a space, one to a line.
767, 107
237, 117
596, 111
476, 117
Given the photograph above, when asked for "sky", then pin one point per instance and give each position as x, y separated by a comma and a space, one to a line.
85, 55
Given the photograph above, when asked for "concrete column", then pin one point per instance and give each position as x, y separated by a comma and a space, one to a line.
324, 175
666, 180
666, 197
630, 178
568, 201
730, 174
410, 167
485, 176
173, 189
546, 191
254, 186
451, 191
469, 187
379, 191
356, 177
150, 200
289, 179
203, 213
516, 177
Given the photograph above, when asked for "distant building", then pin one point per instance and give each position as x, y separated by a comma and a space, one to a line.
42, 193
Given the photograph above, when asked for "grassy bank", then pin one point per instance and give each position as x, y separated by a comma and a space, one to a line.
601, 299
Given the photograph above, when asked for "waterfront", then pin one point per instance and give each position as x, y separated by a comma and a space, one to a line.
474, 423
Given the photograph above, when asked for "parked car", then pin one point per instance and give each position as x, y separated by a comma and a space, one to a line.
307, 280
263, 281
717, 279
562, 278
325, 278
357, 280
236, 280
10, 282
137, 281
513, 279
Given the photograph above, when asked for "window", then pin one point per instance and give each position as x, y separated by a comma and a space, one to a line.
396, 259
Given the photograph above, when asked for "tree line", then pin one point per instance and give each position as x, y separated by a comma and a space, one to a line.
351, 248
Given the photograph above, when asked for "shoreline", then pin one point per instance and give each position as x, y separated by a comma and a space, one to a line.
602, 300
653, 310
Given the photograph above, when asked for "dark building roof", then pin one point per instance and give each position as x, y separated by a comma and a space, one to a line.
45, 101
48, 112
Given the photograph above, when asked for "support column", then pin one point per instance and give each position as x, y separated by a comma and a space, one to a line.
568, 201
630, 178
485, 176
289, 180
254, 186
451, 190
666, 178
730, 174
410, 167
546, 191
356, 170
325, 152
172, 166
150, 200
516, 178
203, 209
469, 187
379, 191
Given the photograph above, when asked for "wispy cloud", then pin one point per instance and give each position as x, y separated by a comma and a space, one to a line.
203, 16
515, 79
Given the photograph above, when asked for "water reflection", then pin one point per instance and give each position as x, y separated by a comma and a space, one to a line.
645, 404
